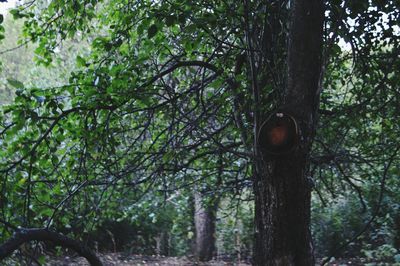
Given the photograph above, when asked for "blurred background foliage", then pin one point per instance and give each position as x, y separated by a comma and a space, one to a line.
20, 63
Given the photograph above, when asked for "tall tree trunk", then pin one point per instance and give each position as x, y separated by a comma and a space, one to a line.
204, 218
282, 189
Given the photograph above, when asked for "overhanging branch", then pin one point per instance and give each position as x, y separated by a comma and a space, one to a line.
39, 234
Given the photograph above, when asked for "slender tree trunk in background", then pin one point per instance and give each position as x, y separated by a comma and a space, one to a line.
204, 218
162, 244
282, 189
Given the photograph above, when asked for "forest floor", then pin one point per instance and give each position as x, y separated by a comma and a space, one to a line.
123, 259
120, 259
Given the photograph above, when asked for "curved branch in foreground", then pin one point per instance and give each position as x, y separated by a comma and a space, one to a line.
39, 234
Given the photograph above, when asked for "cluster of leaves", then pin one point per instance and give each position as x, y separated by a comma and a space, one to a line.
20, 68
235, 228
357, 144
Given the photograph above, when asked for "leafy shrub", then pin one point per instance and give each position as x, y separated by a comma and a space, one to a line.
384, 253
335, 225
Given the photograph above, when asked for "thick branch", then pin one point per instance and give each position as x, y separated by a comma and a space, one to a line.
26, 235
304, 59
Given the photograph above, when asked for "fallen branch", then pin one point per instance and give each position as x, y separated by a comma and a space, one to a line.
39, 234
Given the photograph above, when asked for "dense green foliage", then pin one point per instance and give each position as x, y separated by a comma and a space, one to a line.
158, 107
19, 63
357, 146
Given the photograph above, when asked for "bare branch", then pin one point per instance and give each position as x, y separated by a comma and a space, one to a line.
39, 234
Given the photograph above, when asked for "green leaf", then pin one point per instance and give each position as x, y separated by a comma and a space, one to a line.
54, 160
22, 181
19, 125
152, 31
42, 259
15, 83
46, 212
16, 13
80, 61
1, 18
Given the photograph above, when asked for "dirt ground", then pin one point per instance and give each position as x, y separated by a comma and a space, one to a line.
119, 259
123, 259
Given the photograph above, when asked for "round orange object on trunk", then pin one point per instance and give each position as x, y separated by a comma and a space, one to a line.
278, 134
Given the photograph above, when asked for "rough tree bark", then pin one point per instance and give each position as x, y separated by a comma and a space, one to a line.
282, 189
204, 219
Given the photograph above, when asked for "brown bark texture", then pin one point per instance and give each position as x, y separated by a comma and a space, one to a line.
282, 189
204, 219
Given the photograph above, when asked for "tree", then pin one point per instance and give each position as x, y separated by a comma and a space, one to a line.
172, 91
204, 220
282, 189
